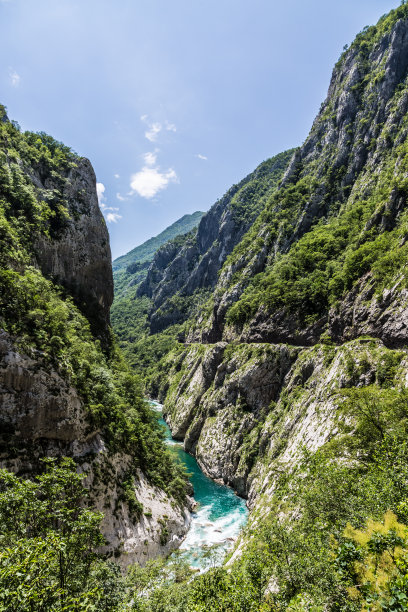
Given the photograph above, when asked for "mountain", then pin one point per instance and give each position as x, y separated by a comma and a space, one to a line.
65, 389
129, 313
145, 252
180, 271
282, 335
131, 269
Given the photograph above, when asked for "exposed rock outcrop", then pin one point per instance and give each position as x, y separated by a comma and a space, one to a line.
254, 410
221, 398
262, 373
182, 269
78, 255
359, 128
41, 414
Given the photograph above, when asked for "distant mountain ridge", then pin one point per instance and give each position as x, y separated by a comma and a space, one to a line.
145, 252
129, 313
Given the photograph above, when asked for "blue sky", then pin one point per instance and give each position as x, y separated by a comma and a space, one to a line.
172, 101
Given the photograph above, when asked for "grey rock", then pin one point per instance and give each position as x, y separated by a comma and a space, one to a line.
79, 256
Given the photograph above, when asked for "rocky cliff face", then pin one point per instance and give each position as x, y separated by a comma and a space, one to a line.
354, 143
354, 156
249, 411
41, 415
79, 257
61, 394
220, 401
181, 269
312, 299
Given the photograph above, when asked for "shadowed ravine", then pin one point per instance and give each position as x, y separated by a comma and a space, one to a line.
219, 517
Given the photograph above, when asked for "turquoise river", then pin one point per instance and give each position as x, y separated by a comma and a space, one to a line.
219, 517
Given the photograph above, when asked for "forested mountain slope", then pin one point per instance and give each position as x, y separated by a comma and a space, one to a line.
129, 312
145, 252
333, 236
182, 270
64, 387
325, 259
289, 380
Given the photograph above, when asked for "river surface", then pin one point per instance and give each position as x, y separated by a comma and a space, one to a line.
219, 517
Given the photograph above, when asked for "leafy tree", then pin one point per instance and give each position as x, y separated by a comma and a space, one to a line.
47, 544
373, 562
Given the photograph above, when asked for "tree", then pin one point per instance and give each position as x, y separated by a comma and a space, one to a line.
47, 543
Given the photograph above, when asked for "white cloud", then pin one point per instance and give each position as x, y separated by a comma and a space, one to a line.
116, 176
100, 190
150, 158
155, 127
153, 131
113, 217
121, 198
15, 78
201, 156
149, 181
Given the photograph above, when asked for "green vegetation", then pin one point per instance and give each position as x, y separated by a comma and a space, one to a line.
23, 215
248, 198
144, 352
318, 561
356, 229
47, 545
329, 531
326, 262
145, 252
44, 320
129, 313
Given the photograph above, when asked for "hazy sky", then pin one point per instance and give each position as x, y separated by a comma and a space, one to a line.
173, 101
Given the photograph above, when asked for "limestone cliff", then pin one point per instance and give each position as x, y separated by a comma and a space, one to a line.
78, 256
245, 409
64, 388
313, 297
343, 190
181, 269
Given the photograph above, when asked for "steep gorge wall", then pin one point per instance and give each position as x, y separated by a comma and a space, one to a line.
61, 394
43, 415
343, 190
78, 257
313, 298
180, 270
247, 411
355, 153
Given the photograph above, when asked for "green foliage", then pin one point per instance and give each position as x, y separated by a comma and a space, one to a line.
129, 316
368, 415
128, 495
160, 585
373, 562
44, 320
145, 252
47, 544
329, 226
24, 210
325, 262
250, 195
299, 552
